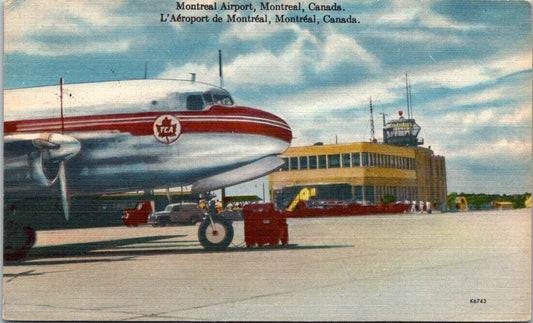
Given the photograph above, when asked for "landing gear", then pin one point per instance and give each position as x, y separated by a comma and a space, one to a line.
215, 233
18, 240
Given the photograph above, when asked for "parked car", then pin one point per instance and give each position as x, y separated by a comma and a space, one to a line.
232, 215
138, 215
178, 213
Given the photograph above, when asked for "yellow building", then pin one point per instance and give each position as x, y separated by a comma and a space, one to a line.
362, 171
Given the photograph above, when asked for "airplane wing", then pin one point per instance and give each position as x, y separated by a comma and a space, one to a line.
39, 159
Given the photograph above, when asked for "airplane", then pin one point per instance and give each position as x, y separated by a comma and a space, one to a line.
121, 136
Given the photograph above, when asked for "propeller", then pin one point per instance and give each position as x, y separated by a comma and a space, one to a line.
62, 177
59, 148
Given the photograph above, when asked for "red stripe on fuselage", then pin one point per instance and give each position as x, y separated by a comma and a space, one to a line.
215, 120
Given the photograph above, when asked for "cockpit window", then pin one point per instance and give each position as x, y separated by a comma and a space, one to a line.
208, 98
218, 97
192, 101
195, 102
223, 99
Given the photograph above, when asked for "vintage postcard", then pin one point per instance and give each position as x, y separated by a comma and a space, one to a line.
267, 160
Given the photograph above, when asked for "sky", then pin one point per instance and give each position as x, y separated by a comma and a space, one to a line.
469, 66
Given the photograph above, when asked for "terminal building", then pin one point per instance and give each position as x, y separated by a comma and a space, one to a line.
398, 169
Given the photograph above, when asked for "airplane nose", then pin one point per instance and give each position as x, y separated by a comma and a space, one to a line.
255, 121
274, 126
284, 130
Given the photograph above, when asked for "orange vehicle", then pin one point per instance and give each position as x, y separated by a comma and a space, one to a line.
138, 215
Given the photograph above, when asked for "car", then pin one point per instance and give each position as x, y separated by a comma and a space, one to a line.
177, 213
138, 215
232, 215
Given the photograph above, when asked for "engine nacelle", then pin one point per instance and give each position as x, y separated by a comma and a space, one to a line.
36, 161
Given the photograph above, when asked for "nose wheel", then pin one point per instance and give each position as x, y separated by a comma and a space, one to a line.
215, 233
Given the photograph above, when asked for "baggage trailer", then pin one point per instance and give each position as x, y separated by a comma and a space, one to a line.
264, 224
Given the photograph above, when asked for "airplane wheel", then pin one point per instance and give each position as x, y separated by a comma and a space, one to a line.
216, 236
18, 241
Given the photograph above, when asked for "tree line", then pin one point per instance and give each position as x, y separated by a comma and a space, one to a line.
480, 201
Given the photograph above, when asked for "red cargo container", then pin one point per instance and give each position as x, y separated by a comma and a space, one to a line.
264, 224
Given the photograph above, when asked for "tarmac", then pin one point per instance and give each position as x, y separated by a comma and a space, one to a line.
469, 266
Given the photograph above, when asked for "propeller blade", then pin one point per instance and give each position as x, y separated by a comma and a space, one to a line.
63, 190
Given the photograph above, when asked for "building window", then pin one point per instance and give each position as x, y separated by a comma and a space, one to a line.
358, 193
285, 166
346, 160
356, 158
365, 159
293, 164
369, 193
322, 161
312, 162
303, 162
334, 161
336, 192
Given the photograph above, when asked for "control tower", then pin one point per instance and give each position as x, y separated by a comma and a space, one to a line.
402, 132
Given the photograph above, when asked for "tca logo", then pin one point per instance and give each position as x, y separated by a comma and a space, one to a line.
167, 129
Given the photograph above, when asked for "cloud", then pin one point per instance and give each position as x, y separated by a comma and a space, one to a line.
385, 91
403, 13
249, 70
464, 73
271, 65
66, 28
488, 136
438, 40
72, 48
496, 117
339, 49
519, 115
501, 150
459, 104
203, 72
265, 68
255, 32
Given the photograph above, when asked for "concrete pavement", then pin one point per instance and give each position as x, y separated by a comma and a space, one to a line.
451, 266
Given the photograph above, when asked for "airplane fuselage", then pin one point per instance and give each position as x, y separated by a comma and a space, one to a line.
134, 135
